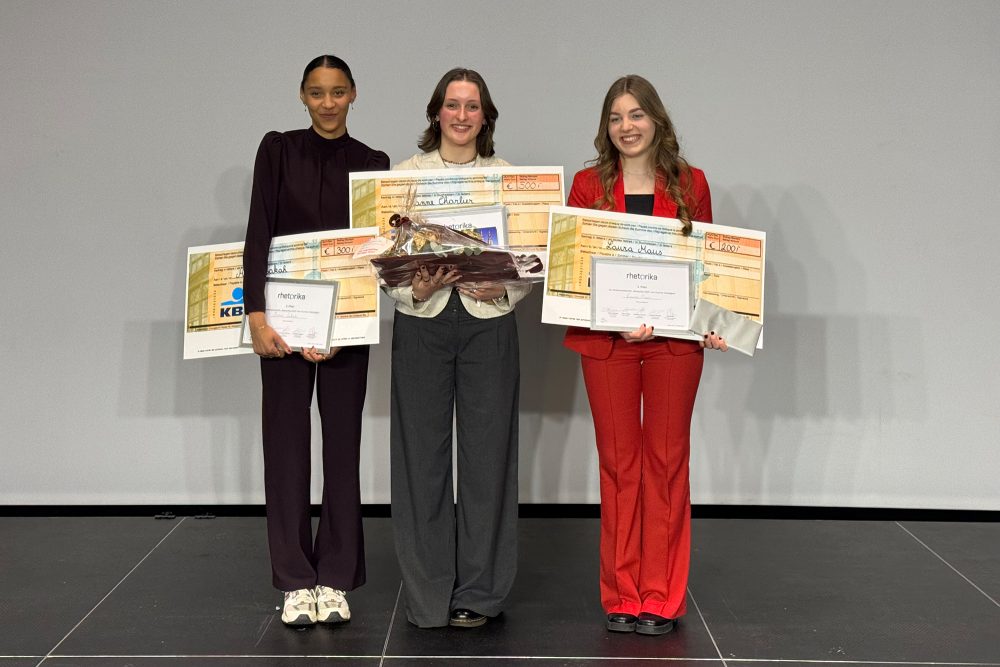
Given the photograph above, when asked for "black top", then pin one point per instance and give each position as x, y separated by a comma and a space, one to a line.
300, 185
639, 204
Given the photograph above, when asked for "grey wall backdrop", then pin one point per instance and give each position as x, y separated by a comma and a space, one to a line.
863, 137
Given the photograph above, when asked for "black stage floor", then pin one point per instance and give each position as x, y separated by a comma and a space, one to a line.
122, 591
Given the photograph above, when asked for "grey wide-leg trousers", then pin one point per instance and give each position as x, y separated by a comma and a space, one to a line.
454, 554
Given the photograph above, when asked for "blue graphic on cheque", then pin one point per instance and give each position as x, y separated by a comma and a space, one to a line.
237, 298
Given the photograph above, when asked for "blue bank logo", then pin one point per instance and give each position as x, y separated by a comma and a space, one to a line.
233, 307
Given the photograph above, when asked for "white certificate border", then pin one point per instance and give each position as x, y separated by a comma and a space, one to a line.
639, 262
332, 285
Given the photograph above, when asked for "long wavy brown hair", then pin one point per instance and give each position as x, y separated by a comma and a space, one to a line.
673, 173
431, 138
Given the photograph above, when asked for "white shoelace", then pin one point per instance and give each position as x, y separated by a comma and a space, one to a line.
326, 593
301, 597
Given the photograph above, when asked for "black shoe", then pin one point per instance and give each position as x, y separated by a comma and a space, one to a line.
621, 622
651, 624
466, 618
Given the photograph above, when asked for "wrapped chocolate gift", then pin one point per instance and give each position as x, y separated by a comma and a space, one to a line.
417, 244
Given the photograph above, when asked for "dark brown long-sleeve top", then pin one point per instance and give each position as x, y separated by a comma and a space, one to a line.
300, 185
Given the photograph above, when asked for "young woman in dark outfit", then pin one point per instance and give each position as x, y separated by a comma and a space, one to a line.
642, 389
300, 184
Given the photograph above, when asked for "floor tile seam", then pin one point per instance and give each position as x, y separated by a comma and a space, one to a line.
392, 620
207, 656
704, 622
953, 568
263, 632
114, 588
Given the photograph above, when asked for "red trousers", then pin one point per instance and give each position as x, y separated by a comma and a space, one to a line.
642, 397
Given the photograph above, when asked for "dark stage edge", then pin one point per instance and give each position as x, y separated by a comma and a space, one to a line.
528, 511
119, 590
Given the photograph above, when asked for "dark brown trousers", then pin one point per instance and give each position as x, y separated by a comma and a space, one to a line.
336, 558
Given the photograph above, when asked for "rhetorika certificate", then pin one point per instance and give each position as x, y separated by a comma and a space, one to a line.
627, 293
300, 311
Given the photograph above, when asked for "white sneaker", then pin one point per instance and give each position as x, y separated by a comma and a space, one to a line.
299, 608
331, 605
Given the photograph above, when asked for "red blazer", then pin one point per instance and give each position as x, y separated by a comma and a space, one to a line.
586, 191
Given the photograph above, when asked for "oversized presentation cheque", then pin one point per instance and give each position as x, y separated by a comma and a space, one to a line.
526, 192
727, 262
214, 295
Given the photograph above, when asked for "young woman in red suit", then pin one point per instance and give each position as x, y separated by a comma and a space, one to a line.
642, 389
